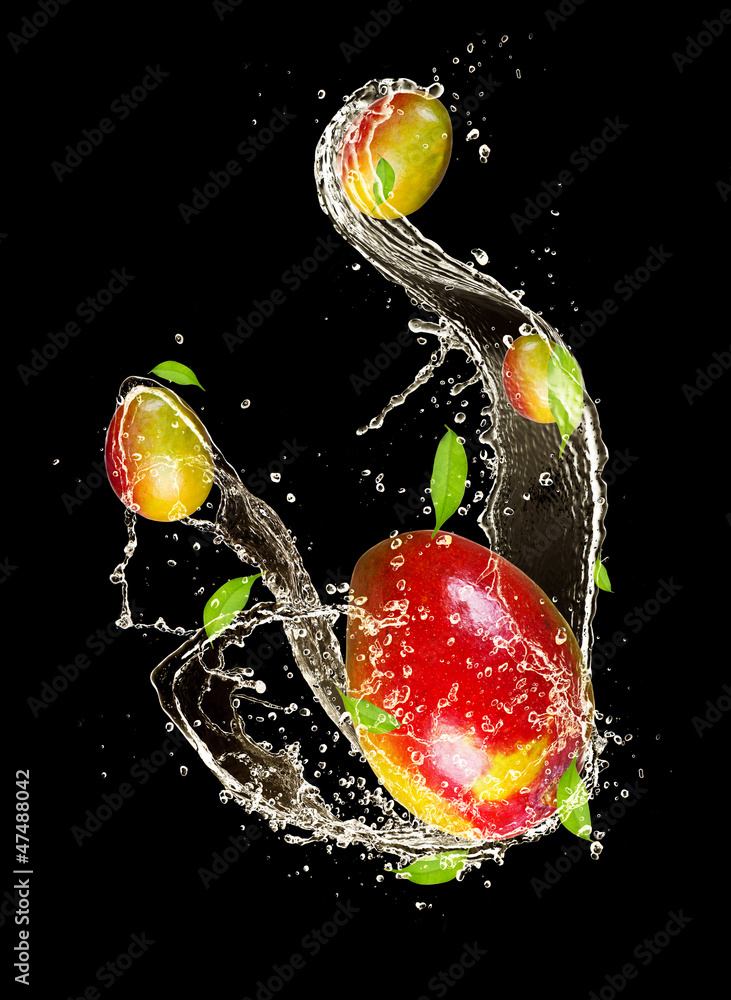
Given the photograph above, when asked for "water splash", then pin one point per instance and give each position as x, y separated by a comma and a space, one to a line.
542, 513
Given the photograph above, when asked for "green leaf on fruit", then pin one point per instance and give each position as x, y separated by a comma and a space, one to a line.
565, 392
223, 606
173, 371
434, 870
448, 478
573, 803
365, 713
601, 577
384, 182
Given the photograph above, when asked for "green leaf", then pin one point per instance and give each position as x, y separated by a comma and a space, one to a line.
573, 803
448, 478
173, 371
435, 869
601, 577
223, 606
365, 713
384, 182
565, 392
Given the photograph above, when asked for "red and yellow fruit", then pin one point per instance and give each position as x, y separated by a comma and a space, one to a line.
482, 673
158, 455
525, 377
413, 134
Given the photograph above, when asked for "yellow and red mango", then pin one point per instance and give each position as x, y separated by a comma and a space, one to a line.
483, 675
413, 134
158, 455
525, 377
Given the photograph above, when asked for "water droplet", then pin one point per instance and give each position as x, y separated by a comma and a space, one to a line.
291, 498
245, 404
320, 94
545, 480
178, 338
472, 134
183, 770
275, 476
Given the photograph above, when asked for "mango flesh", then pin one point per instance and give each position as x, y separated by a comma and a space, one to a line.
158, 455
482, 673
413, 133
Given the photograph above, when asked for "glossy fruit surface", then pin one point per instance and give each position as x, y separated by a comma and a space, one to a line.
483, 675
525, 377
158, 455
412, 134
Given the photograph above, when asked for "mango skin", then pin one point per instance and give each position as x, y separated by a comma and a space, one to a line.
483, 674
414, 134
525, 377
158, 455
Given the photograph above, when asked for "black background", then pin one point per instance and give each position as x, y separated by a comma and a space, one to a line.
655, 186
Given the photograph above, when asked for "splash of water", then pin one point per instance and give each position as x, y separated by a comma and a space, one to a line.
532, 492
